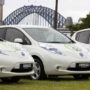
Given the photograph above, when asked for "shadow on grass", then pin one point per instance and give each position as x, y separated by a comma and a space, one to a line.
22, 81
65, 78
28, 81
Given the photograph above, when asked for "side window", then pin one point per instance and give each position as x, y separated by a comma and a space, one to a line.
83, 36
13, 33
2, 33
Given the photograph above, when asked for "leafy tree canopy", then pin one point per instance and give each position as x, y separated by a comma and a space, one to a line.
85, 23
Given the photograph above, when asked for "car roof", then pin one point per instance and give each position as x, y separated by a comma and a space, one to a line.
25, 26
86, 29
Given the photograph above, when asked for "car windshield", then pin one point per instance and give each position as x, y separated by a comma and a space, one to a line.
47, 35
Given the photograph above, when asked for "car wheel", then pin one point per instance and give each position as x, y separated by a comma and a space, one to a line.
39, 70
81, 76
10, 79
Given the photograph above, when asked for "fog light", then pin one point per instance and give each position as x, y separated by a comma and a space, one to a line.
58, 67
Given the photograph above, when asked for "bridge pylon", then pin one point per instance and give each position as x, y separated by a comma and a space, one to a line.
1, 11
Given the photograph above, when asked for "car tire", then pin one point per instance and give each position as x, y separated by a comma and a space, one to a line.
10, 79
81, 76
39, 70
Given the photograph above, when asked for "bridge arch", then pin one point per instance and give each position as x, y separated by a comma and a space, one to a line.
48, 14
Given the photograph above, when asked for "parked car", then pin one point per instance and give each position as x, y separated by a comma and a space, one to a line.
53, 53
14, 62
82, 36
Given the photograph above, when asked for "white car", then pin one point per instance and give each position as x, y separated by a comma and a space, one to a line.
54, 53
82, 36
14, 62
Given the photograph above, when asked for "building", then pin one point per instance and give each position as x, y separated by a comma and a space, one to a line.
68, 21
1, 11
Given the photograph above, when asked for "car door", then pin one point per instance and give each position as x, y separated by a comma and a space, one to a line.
13, 33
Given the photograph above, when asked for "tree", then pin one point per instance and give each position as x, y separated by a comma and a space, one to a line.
72, 28
85, 23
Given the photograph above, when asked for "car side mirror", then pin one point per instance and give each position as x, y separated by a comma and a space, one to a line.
18, 40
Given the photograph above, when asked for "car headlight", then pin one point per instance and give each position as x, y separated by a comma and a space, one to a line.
52, 50
1, 52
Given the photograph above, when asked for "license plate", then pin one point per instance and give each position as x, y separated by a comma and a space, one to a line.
26, 66
84, 65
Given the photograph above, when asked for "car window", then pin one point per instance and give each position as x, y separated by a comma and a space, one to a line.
13, 33
2, 33
47, 35
83, 36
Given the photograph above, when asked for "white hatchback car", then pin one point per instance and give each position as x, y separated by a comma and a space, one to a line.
82, 36
14, 62
53, 52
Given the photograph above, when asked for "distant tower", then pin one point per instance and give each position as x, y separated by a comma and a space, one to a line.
68, 21
1, 11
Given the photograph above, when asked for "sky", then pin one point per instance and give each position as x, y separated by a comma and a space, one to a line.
68, 8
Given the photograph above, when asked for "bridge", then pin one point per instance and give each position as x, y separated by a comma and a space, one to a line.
37, 14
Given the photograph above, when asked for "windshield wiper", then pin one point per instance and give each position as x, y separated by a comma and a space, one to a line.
60, 42
54, 42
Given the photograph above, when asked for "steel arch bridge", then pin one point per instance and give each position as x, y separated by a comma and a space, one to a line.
48, 14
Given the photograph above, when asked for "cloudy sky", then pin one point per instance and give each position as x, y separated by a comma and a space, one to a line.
73, 8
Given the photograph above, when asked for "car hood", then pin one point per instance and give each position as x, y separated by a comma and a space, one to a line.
72, 50
14, 50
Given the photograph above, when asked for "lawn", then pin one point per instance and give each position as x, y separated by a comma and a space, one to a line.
51, 84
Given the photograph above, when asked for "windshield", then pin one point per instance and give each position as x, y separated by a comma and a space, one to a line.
47, 35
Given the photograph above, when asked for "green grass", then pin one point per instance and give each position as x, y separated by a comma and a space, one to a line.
52, 84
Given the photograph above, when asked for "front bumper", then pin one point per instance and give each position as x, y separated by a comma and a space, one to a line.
67, 72
60, 65
4, 72
11, 74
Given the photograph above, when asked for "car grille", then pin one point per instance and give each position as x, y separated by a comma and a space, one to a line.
23, 69
80, 68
